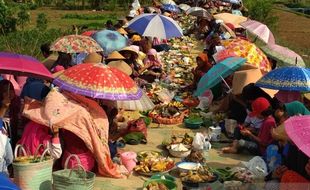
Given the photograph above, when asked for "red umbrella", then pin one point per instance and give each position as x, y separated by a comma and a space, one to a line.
16, 64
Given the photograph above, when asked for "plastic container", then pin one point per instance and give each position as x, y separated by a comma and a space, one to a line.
192, 125
215, 133
129, 160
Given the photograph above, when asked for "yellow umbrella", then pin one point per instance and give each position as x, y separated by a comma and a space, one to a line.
230, 18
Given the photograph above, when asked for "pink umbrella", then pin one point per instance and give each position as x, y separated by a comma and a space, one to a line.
16, 64
260, 30
298, 130
283, 55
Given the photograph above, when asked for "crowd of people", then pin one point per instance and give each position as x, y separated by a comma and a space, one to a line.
260, 117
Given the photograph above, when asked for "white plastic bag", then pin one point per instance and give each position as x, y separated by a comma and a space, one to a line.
165, 95
201, 142
257, 166
136, 5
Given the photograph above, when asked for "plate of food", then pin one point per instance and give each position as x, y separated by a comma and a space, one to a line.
148, 154
149, 167
198, 178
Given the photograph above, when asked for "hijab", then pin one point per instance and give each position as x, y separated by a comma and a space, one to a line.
295, 108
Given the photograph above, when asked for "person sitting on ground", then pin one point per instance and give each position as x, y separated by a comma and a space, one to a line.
256, 144
203, 66
284, 111
63, 62
152, 67
109, 25
35, 89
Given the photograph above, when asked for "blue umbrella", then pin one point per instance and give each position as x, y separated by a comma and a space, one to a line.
110, 40
218, 72
7, 184
155, 25
171, 8
286, 78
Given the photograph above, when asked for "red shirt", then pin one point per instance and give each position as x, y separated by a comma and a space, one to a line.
265, 133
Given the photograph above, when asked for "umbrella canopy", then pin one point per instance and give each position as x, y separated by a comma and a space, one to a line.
286, 78
98, 81
76, 44
155, 25
110, 40
260, 30
171, 8
16, 64
143, 104
7, 184
235, 20
219, 71
184, 7
250, 51
199, 12
298, 130
168, 2
283, 55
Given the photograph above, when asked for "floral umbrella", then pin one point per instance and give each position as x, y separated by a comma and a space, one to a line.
98, 81
76, 44
248, 50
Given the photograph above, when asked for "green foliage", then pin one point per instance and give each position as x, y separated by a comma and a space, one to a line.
29, 41
7, 21
261, 11
23, 16
42, 21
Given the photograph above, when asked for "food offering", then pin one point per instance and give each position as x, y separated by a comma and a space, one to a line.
149, 154
203, 175
151, 166
179, 150
156, 186
172, 113
196, 156
185, 139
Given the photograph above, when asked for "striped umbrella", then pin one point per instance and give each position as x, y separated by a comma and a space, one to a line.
155, 25
260, 30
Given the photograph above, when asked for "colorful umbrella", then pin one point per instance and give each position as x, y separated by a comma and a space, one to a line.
248, 50
110, 40
98, 81
76, 44
298, 130
260, 30
199, 12
155, 25
235, 20
218, 72
283, 55
16, 64
286, 78
171, 8
184, 7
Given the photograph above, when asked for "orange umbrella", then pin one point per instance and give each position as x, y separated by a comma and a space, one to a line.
248, 50
230, 18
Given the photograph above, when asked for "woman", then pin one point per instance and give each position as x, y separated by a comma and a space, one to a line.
203, 66
284, 111
152, 67
64, 60
256, 144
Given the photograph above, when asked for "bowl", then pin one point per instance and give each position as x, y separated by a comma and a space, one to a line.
180, 154
192, 125
187, 166
169, 184
160, 176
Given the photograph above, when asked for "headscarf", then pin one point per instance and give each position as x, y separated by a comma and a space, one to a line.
207, 66
295, 108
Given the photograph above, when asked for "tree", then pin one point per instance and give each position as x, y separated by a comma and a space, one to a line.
7, 21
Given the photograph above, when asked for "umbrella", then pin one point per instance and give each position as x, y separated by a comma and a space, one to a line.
286, 78
16, 64
98, 81
260, 30
218, 72
7, 184
227, 29
171, 8
298, 130
235, 20
143, 104
168, 2
76, 44
199, 12
250, 51
154, 25
233, 1
283, 55
110, 40
184, 7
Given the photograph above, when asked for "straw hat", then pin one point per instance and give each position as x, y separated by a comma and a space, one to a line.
129, 49
243, 78
122, 66
93, 58
307, 96
122, 31
115, 55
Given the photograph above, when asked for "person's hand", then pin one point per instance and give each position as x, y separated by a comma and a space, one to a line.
246, 132
278, 172
307, 168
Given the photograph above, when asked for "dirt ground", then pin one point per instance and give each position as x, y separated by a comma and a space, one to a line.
155, 137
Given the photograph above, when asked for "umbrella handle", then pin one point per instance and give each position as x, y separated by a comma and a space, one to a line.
225, 83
